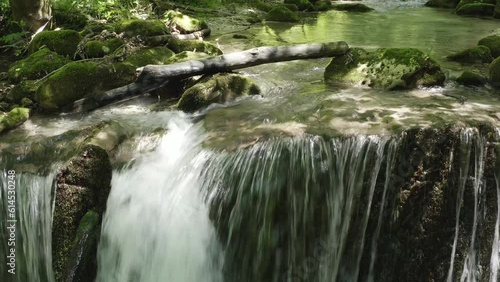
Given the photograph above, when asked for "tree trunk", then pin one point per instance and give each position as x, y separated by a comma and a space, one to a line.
35, 13
155, 76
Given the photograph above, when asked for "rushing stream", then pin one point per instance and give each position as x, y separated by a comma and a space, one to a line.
308, 183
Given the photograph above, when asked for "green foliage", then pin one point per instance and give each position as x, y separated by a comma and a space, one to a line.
109, 10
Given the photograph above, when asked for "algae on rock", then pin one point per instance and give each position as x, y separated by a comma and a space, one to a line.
37, 65
14, 118
63, 42
145, 28
492, 42
477, 54
99, 49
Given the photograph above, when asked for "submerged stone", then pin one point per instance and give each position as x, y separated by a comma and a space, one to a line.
471, 78
37, 65
476, 9
478, 54
178, 46
143, 28
219, 88
182, 23
282, 14
391, 68
493, 43
14, 118
352, 7
63, 42
99, 49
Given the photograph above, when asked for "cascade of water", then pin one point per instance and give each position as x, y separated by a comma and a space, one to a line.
32, 227
466, 137
156, 226
495, 248
470, 271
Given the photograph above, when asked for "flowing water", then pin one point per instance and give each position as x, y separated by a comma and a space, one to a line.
297, 185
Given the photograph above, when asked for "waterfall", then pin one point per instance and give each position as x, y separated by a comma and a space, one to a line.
156, 226
495, 248
32, 227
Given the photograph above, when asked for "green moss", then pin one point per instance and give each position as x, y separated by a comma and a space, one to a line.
476, 9
37, 65
478, 54
391, 68
70, 19
183, 23
178, 46
472, 78
27, 88
186, 56
63, 42
150, 56
352, 7
14, 118
494, 71
465, 2
291, 7
323, 5
282, 14
303, 5
132, 28
27, 103
492, 42
99, 49
79, 79
219, 88
265, 7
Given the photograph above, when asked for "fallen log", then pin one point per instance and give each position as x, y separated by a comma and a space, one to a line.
155, 76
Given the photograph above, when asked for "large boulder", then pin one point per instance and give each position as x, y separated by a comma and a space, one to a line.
143, 28
219, 88
82, 185
495, 73
303, 5
492, 42
150, 56
352, 7
99, 49
37, 65
476, 9
442, 3
465, 2
471, 78
183, 24
14, 118
390, 68
478, 54
63, 42
178, 46
282, 14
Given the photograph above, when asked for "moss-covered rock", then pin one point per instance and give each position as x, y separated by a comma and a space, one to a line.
352, 7
219, 88
109, 136
186, 56
391, 68
79, 79
303, 5
25, 89
465, 2
442, 3
492, 42
143, 28
471, 78
99, 49
83, 184
183, 23
476, 9
14, 118
496, 13
495, 73
282, 14
63, 42
323, 5
262, 6
478, 54
178, 46
37, 65
150, 56
27, 103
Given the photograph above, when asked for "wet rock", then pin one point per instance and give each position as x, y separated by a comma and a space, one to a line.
183, 24
37, 65
476, 9
494, 70
478, 54
390, 69
493, 43
178, 46
79, 79
147, 28
442, 3
99, 49
110, 135
262, 6
303, 5
14, 118
352, 7
82, 185
63, 42
282, 14
465, 2
470, 78
219, 88
27, 103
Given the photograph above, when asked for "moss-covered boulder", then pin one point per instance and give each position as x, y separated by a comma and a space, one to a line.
182, 23
323, 5
282, 14
150, 56
495, 73
79, 79
465, 2
262, 6
492, 42
478, 54
178, 46
186, 56
303, 5
143, 28
82, 185
391, 68
442, 3
471, 78
25, 89
352, 7
37, 65
14, 118
219, 88
476, 9
63, 42
99, 49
